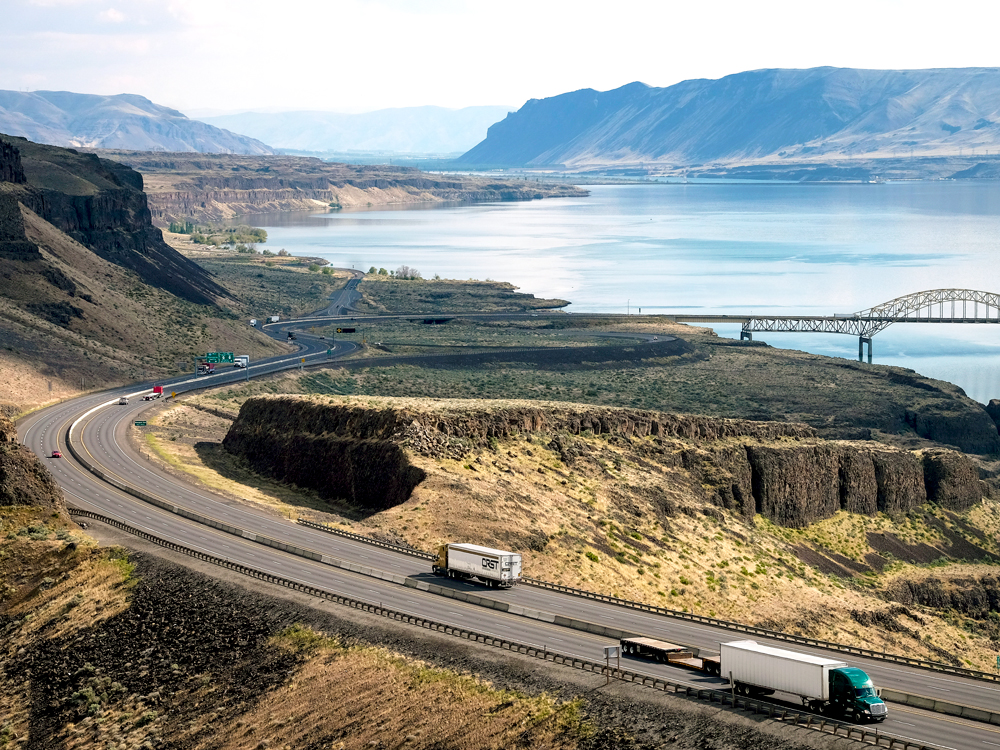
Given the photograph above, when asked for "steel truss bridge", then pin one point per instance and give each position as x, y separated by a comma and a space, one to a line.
933, 306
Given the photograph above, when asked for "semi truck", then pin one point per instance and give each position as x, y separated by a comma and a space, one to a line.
495, 567
671, 653
824, 685
274, 319
241, 360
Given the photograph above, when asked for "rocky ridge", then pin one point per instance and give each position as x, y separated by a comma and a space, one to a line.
215, 187
100, 204
779, 470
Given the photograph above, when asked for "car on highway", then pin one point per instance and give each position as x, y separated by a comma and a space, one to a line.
56, 454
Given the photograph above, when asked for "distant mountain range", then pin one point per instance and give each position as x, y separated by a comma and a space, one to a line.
125, 121
414, 130
756, 116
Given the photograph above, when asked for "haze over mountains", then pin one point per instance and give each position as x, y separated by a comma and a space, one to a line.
413, 130
755, 116
124, 121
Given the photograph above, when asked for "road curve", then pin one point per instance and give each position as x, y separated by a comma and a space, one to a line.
101, 434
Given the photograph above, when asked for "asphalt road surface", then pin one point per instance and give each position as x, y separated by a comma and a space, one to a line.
102, 435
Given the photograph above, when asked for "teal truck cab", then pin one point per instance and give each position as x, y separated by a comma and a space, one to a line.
824, 685
853, 694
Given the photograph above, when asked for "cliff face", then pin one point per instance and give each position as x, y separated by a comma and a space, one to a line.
23, 478
101, 204
215, 187
779, 470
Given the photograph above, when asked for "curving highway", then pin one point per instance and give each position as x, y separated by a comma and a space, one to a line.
100, 437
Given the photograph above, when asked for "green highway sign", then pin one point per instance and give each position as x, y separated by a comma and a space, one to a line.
219, 358
140, 423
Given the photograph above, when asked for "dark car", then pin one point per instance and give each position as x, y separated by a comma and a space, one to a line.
56, 454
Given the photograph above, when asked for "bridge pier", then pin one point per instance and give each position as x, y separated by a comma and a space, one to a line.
862, 340
746, 335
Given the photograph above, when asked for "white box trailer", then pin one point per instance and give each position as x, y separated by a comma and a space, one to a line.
828, 686
772, 669
241, 360
495, 567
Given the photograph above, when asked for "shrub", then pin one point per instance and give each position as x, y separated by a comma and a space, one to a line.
592, 557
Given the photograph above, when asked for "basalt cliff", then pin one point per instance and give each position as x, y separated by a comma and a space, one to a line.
213, 187
100, 204
367, 454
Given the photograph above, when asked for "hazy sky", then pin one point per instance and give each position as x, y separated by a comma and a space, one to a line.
360, 55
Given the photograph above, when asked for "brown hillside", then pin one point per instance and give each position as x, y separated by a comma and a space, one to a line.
594, 499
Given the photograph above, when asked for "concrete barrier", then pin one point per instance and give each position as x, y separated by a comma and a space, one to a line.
893, 696
941, 707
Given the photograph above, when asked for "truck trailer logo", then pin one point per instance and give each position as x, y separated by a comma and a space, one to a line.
489, 564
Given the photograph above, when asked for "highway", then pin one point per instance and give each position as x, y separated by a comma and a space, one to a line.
101, 437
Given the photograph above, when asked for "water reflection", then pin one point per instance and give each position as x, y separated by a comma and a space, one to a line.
780, 249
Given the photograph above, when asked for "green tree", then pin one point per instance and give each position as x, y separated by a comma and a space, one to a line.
373, 270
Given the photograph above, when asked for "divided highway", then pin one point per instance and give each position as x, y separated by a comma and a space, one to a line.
101, 437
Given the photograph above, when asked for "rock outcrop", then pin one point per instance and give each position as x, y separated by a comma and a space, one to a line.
101, 204
952, 480
779, 470
23, 478
972, 596
185, 187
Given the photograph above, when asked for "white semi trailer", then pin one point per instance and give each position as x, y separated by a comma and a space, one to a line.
494, 567
824, 685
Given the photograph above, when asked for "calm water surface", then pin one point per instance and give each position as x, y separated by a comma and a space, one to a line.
780, 249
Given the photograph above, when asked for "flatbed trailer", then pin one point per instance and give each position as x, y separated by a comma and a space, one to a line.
671, 653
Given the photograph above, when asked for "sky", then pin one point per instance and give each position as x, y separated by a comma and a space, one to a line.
220, 56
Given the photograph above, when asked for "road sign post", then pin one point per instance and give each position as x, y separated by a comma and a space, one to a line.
609, 653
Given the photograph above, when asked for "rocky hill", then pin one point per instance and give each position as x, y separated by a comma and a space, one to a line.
90, 294
760, 522
761, 115
210, 188
779, 470
62, 118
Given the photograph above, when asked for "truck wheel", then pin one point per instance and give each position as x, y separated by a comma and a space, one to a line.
856, 717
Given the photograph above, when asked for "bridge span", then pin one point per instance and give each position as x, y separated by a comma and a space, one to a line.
932, 306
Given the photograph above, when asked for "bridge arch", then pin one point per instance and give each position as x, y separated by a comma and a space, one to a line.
931, 306
934, 306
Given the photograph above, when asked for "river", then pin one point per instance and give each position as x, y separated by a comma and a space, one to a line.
779, 249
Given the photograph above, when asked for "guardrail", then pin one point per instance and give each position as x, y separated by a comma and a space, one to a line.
583, 593
691, 617
765, 633
412, 551
723, 698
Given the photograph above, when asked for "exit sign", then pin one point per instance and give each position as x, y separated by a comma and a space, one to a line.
219, 358
140, 423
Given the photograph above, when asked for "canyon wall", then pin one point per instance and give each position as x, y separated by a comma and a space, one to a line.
214, 187
779, 470
100, 204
